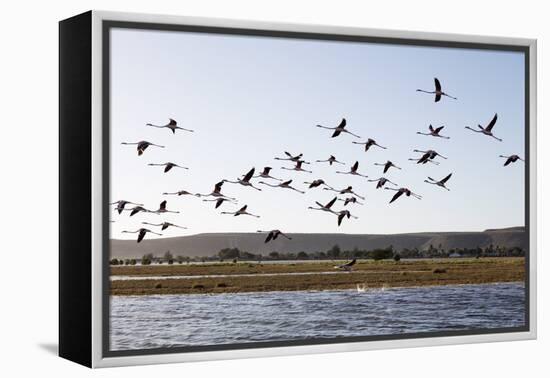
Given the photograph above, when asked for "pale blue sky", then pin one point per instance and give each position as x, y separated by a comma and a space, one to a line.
251, 98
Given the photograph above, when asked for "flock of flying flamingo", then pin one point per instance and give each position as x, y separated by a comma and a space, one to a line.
267, 180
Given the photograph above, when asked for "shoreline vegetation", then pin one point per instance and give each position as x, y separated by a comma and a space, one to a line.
239, 277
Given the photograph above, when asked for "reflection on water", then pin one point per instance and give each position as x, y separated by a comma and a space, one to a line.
143, 322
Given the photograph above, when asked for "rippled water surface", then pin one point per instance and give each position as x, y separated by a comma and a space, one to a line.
143, 322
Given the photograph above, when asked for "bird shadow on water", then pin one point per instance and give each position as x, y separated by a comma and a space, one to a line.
51, 348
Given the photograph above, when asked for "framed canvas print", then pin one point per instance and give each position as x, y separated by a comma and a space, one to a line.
232, 189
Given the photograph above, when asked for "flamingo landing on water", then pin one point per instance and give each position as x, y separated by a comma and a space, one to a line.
348, 267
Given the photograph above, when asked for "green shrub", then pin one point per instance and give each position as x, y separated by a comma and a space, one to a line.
147, 259
381, 254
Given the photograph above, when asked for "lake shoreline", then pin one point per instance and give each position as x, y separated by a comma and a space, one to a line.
257, 277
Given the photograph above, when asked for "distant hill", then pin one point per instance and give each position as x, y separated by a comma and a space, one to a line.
210, 244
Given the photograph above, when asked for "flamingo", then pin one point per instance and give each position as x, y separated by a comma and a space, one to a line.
164, 225
348, 190
511, 159
381, 182
284, 185
353, 170
172, 125
438, 92
180, 193
295, 158
441, 182
142, 146
330, 160
344, 214
427, 156
167, 166
142, 232
488, 129
138, 209
245, 181
122, 203
218, 201
434, 132
387, 165
339, 129
316, 183
241, 211
297, 167
326, 207
265, 174
162, 209
400, 192
369, 143
216, 192
350, 200
274, 234
348, 267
